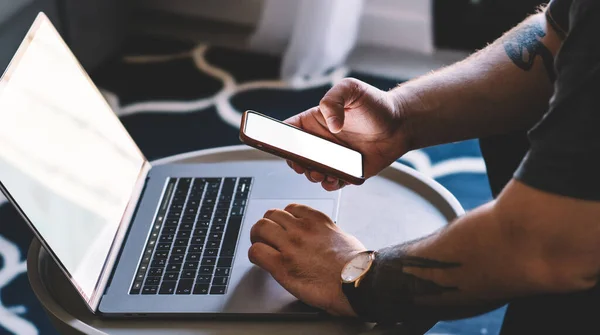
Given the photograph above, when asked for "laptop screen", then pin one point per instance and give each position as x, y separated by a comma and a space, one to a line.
65, 158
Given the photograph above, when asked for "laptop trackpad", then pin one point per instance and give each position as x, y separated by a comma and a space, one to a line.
253, 289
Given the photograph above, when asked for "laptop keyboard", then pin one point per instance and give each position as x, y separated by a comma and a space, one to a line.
193, 240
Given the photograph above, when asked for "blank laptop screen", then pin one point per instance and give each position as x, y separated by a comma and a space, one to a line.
65, 158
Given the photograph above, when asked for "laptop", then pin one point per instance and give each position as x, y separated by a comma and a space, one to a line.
134, 239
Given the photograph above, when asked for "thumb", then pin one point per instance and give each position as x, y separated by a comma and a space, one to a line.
333, 104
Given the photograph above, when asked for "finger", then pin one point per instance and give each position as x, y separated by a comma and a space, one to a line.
268, 232
281, 217
333, 104
308, 176
267, 258
331, 184
317, 176
303, 211
297, 120
297, 168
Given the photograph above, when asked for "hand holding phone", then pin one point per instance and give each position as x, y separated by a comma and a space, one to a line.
292, 143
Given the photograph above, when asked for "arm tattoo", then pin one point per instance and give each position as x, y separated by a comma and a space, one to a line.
392, 291
523, 46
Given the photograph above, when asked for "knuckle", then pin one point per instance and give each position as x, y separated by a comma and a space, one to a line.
257, 227
349, 82
291, 207
269, 213
253, 253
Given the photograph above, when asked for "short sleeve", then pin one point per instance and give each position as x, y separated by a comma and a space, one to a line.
557, 15
564, 155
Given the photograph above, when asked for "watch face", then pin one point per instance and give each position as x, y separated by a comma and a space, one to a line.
356, 267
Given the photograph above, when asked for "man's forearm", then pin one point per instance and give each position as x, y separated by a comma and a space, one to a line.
504, 87
519, 245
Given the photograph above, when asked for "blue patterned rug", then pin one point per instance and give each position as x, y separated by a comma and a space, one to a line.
175, 97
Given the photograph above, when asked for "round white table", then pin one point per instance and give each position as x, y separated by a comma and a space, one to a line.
398, 205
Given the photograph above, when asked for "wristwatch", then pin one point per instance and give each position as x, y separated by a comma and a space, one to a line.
352, 275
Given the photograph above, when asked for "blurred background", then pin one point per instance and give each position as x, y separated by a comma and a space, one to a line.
187, 68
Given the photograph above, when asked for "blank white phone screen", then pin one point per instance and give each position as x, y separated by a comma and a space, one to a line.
298, 142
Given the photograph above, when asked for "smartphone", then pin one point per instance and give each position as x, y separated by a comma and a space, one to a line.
292, 143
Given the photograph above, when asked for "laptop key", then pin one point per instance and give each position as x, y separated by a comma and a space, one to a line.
219, 281
166, 238
159, 262
217, 290
219, 220
190, 265
149, 289
155, 272
183, 234
185, 286
227, 252
188, 274
215, 236
203, 279
137, 287
203, 224
167, 287
207, 209
181, 242
209, 261
204, 216
221, 213
152, 281
163, 246
173, 267
200, 232
193, 257
170, 276
169, 230
195, 248
222, 272
201, 289
213, 244
211, 252
189, 217
186, 226
177, 206
191, 211
225, 262
172, 222
175, 259
206, 269
217, 228
178, 250
197, 240
237, 211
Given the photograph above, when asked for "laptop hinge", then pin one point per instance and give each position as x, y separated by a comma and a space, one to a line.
117, 244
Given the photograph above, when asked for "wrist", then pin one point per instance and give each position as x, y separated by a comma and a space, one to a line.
408, 104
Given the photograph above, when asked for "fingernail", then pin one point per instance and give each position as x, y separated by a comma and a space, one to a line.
334, 124
330, 180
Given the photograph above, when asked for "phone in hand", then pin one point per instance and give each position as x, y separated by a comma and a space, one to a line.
294, 144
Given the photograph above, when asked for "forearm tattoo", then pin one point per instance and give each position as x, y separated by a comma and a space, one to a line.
524, 45
393, 290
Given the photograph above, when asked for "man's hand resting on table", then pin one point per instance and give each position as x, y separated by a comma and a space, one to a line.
305, 252
359, 116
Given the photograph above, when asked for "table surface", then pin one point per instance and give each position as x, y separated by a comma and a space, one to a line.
396, 206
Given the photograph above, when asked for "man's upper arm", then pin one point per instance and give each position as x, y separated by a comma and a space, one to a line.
563, 157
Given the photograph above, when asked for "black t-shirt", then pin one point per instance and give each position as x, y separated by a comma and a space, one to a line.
562, 158
564, 153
